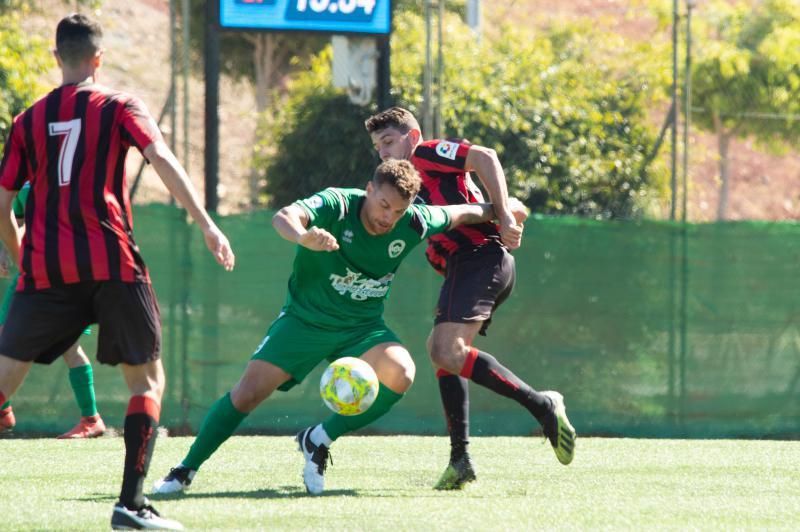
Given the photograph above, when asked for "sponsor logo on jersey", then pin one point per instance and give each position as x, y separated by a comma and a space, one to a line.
361, 288
447, 149
396, 248
347, 236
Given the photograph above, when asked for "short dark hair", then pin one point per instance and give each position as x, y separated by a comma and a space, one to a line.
395, 117
401, 175
78, 38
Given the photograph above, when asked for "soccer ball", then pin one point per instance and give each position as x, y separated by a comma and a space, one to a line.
349, 386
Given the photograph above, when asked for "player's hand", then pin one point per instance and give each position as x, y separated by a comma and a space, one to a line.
518, 210
219, 246
317, 239
511, 235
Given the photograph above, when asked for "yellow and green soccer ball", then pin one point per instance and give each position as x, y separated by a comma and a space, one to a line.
349, 386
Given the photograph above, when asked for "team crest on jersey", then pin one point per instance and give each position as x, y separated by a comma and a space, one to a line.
396, 248
347, 236
360, 288
447, 149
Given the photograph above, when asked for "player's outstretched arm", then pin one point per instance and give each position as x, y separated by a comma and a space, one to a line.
291, 222
177, 182
484, 162
9, 231
474, 213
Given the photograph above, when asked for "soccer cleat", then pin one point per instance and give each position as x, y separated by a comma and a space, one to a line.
457, 475
317, 457
87, 427
559, 430
7, 419
178, 479
145, 518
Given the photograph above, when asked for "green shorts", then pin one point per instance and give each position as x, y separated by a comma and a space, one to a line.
4, 306
297, 347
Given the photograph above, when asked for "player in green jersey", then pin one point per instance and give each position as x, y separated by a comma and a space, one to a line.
81, 376
350, 244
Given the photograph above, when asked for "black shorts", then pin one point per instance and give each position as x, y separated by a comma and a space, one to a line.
43, 324
476, 283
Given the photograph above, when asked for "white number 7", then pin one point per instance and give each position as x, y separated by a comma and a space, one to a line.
71, 130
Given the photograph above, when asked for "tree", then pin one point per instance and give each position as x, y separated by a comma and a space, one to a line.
23, 60
266, 58
565, 110
746, 79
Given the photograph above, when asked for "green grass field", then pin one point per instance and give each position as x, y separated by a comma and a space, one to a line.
384, 483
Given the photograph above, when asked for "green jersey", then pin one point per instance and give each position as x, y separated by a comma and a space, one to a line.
347, 287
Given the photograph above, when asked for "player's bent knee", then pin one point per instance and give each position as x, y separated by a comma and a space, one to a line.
399, 376
246, 397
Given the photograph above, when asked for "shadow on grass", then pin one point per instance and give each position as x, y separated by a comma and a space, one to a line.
94, 497
282, 492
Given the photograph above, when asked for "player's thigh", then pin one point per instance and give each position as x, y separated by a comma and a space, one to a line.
42, 324
393, 364
296, 347
130, 323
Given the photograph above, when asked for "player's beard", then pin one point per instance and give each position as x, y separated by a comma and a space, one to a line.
376, 227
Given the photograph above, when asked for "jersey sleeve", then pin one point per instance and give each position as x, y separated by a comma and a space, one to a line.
433, 220
138, 127
13, 170
443, 155
323, 208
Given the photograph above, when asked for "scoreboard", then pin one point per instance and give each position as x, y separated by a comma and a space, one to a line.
368, 17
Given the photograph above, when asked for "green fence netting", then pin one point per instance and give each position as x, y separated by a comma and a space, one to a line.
648, 328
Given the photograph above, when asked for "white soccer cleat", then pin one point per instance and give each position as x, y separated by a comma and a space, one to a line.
317, 457
178, 479
145, 518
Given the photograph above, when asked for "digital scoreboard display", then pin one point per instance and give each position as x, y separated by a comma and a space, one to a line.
371, 17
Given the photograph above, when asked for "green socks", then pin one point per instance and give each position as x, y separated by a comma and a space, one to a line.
218, 425
81, 378
338, 425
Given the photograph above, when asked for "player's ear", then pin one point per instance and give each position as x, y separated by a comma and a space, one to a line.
58, 58
97, 60
414, 135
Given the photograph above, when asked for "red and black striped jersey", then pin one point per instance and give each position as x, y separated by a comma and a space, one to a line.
71, 145
440, 163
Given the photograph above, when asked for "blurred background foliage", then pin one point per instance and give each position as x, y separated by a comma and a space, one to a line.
566, 112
